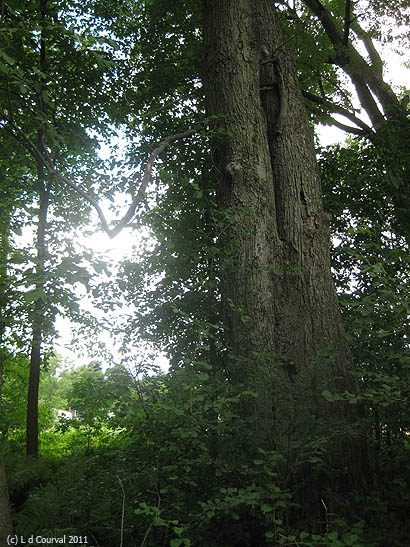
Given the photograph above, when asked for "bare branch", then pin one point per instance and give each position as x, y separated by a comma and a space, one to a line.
347, 128
329, 106
366, 98
84, 194
366, 78
152, 522
272, 58
146, 178
122, 511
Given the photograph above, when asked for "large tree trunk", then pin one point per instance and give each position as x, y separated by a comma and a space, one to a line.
280, 306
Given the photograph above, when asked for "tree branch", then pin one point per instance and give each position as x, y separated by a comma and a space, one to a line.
374, 56
122, 511
273, 58
347, 128
28, 142
327, 21
365, 77
347, 23
332, 107
146, 178
10, 104
84, 194
366, 98
128, 216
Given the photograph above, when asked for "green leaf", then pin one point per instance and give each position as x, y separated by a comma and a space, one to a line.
7, 58
45, 96
33, 296
281, 503
328, 396
98, 267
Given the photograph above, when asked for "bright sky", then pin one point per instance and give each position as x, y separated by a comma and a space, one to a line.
114, 251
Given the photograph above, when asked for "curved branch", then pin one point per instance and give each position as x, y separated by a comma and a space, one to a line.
366, 78
332, 107
84, 194
128, 216
146, 178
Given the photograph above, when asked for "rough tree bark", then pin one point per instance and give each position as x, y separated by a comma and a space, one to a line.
281, 313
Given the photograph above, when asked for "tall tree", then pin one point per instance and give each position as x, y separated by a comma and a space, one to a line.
38, 312
38, 321
12, 197
5, 211
281, 312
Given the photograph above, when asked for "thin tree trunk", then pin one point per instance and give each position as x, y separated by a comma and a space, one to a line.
38, 317
5, 512
281, 313
37, 323
6, 527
